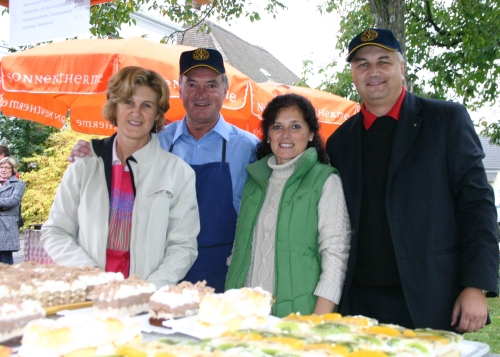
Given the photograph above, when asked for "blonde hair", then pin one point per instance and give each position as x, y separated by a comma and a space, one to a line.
12, 162
123, 85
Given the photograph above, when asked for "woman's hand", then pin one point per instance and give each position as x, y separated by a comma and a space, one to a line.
323, 306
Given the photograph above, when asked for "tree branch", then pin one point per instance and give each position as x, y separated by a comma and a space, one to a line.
171, 36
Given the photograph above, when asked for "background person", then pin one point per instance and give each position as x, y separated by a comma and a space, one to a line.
11, 193
218, 151
425, 243
293, 231
4, 151
131, 207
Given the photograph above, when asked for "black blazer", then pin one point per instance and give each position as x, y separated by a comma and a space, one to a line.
440, 207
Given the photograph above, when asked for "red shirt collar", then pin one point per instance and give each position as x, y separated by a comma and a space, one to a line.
369, 118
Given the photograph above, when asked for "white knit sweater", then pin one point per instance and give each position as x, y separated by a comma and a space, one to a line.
334, 234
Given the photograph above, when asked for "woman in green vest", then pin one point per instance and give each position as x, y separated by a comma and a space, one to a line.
293, 233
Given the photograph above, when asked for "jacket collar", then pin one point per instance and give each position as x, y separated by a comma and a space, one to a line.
409, 125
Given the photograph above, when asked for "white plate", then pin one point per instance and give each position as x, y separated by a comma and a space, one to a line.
186, 326
473, 349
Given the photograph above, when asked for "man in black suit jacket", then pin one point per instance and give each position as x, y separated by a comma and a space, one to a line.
424, 249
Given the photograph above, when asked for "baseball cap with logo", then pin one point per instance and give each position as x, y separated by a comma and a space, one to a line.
374, 37
201, 57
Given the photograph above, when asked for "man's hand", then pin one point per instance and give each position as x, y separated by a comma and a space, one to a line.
472, 310
81, 149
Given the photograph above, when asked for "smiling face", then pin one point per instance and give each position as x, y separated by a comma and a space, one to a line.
378, 76
289, 135
136, 115
202, 92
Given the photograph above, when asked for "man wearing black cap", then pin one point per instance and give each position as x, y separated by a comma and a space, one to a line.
218, 152
424, 250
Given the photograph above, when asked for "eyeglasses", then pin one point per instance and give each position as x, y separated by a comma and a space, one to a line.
5, 168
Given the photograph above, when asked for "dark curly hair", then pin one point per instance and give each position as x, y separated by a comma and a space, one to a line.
281, 102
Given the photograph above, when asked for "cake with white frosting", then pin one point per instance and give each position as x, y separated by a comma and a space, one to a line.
77, 335
176, 301
233, 310
52, 285
15, 314
129, 297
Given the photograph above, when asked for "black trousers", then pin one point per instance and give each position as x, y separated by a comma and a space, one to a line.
386, 309
6, 257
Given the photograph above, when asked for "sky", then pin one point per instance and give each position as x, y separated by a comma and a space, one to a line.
298, 33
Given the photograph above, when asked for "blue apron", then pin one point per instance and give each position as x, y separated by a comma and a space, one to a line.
214, 191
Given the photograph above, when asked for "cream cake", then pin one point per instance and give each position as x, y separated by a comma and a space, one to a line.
233, 310
93, 277
175, 301
77, 335
51, 284
15, 314
129, 297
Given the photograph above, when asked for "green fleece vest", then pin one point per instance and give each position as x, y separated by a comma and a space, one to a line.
297, 260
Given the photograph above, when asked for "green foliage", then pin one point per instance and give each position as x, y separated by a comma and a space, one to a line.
106, 19
24, 138
188, 12
48, 168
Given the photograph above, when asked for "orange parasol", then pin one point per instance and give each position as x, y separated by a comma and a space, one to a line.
331, 110
43, 83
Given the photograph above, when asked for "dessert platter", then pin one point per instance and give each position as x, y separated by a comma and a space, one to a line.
130, 318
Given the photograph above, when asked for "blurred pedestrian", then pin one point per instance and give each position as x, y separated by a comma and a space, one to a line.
11, 193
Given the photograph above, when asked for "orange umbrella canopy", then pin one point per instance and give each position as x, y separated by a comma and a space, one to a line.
331, 110
43, 83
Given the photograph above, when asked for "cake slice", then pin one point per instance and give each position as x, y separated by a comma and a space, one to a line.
77, 335
175, 301
117, 299
235, 309
15, 315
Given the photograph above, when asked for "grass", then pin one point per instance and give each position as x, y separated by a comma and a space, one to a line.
490, 334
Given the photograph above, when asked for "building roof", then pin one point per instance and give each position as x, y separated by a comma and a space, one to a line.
254, 61
491, 160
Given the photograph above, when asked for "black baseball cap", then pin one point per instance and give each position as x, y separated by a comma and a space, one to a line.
201, 57
374, 37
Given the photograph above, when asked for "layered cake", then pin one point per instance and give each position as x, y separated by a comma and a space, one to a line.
129, 297
93, 277
175, 301
51, 284
77, 335
15, 314
233, 310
